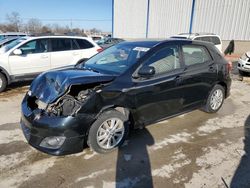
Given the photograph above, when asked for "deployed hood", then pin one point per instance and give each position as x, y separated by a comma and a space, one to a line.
48, 86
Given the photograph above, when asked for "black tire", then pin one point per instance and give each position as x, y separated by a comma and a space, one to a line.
3, 82
105, 116
242, 73
208, 107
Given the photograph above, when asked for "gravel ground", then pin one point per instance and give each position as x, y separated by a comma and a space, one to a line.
192, 150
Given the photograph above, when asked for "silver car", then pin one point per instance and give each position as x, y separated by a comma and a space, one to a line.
244, 63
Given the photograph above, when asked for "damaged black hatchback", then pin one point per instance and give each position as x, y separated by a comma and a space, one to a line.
129, 85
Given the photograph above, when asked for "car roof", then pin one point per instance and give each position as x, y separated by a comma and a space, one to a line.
57, 36
193, 35
153, 43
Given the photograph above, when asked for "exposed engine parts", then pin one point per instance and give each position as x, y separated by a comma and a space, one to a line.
69, 105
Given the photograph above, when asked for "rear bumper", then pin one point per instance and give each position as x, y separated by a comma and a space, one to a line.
36, 126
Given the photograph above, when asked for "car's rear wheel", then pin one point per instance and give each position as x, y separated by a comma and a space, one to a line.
215, 99
3, 82
242, 73
108, 132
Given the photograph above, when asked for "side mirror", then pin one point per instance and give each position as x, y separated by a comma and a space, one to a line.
17, 52
81, 61
146, 71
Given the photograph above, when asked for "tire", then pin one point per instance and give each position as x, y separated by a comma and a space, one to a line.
242, 73
3, 82
213, 105
103, 126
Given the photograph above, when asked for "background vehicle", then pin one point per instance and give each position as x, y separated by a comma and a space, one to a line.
107, 42
7, 40
25, 58
207, 37
244, 63
129, 85
12, 34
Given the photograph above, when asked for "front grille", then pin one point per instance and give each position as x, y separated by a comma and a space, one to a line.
26, 131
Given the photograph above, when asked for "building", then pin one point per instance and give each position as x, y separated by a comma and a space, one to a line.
163, 18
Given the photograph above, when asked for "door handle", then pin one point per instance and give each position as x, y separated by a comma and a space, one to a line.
212, 69
44, 56
75, 53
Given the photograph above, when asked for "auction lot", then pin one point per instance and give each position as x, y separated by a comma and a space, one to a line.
192, 150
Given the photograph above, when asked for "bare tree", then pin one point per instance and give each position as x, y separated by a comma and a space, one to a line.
14, 20
34, 25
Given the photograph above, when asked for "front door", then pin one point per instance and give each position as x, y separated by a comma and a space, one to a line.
34, 59
160, 95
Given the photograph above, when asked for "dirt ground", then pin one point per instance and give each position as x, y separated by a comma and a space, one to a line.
192, 150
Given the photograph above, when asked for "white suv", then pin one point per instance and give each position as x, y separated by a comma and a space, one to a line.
25, 58
207, 37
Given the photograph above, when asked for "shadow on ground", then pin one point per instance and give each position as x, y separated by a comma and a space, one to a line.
133, 167
16, 88
241, 178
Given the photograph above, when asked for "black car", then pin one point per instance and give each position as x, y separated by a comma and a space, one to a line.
127, 86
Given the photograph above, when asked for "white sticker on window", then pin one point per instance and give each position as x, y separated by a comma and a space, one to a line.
141, 49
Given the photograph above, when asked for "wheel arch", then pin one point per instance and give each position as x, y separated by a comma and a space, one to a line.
5, 73
224, 85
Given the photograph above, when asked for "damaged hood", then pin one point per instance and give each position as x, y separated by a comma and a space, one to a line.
48, 86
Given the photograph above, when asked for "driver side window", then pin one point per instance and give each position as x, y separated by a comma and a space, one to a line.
165, 60
34, 46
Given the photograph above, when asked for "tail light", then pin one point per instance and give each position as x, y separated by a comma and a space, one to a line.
229, 66
99, 50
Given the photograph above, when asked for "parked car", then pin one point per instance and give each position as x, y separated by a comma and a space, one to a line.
97, 38
244, 63
107, 42
11, 34
207, 37
7, 40
25, 58
129, 85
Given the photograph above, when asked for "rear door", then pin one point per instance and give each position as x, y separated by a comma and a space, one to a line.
61, 52
199, 76
34, 59
85, 48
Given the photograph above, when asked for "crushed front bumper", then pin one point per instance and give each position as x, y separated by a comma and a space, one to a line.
37, 125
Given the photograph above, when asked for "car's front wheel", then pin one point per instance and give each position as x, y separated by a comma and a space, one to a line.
215, 99
108, 132
3, 82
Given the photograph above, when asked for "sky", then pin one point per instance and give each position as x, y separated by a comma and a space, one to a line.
85, 14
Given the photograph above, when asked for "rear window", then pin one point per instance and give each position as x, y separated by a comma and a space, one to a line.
213, 39
84, 44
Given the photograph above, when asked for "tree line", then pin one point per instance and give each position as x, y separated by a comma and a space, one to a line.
35, 26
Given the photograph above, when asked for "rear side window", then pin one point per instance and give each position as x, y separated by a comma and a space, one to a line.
215, 40
194, 54
60, 44
84, 44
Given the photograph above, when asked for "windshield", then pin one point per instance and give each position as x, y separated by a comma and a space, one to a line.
11, 45
116, 59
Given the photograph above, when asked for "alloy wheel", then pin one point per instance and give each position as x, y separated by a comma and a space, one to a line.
216, 99
110, 133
